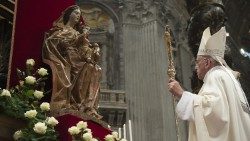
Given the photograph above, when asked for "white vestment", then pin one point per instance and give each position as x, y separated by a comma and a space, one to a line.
216, 113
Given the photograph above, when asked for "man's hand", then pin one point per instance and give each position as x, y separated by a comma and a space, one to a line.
175, 88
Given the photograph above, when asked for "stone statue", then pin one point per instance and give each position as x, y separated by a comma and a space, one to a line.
73, 61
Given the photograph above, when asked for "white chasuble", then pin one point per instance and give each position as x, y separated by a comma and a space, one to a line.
216, 113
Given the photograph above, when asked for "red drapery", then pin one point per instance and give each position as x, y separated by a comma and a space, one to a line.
33, 19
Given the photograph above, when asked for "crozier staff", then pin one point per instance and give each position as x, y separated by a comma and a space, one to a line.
171, 72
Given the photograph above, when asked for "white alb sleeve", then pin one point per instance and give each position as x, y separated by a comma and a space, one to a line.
184, 108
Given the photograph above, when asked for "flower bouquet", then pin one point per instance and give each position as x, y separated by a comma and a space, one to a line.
23, 102
114, 136
80, 132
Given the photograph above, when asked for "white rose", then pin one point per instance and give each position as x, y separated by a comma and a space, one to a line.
123, 140
52, 121
5, 93
30, 80
74, 130
30, 114
30, 62
45, 106
93, 139
115, 135
87, 136
38, 94
18, 134
88, 130
40, 128
109, 138
42, 72
81, 125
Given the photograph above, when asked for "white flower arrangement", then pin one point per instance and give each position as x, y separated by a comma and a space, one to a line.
87, 136
25, 96
30, 62
30, 114
81, 132
52, 121
74, 130
38, 94
42, 72
114, 136
5, 93
17, 135
45, 106
88, 130
82, 125
22, 102
94, 139
40, 128
109, 138
30, 80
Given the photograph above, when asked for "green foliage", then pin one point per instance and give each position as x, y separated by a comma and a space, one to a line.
21, 98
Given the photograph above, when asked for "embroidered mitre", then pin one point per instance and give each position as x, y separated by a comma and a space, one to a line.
213, 45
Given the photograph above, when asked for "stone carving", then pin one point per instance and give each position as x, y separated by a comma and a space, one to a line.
137, 11
97, 19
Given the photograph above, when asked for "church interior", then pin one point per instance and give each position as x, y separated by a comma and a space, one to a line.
133, 98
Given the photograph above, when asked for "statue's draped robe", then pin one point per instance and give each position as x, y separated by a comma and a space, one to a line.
75, 81
216, 113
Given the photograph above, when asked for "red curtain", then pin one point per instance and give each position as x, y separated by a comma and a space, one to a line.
33, 19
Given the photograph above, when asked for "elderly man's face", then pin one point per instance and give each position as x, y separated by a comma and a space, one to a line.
201, 66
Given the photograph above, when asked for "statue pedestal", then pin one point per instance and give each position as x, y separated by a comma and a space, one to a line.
69, 118
8, 126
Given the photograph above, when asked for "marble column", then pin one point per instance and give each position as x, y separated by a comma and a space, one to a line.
150, 105
104, 67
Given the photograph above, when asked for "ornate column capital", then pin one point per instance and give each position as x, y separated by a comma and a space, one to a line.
138, 11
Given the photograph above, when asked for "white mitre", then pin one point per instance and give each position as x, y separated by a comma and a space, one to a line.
214, 45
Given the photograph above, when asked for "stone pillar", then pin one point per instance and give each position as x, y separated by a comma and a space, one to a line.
150, 105
104, 67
